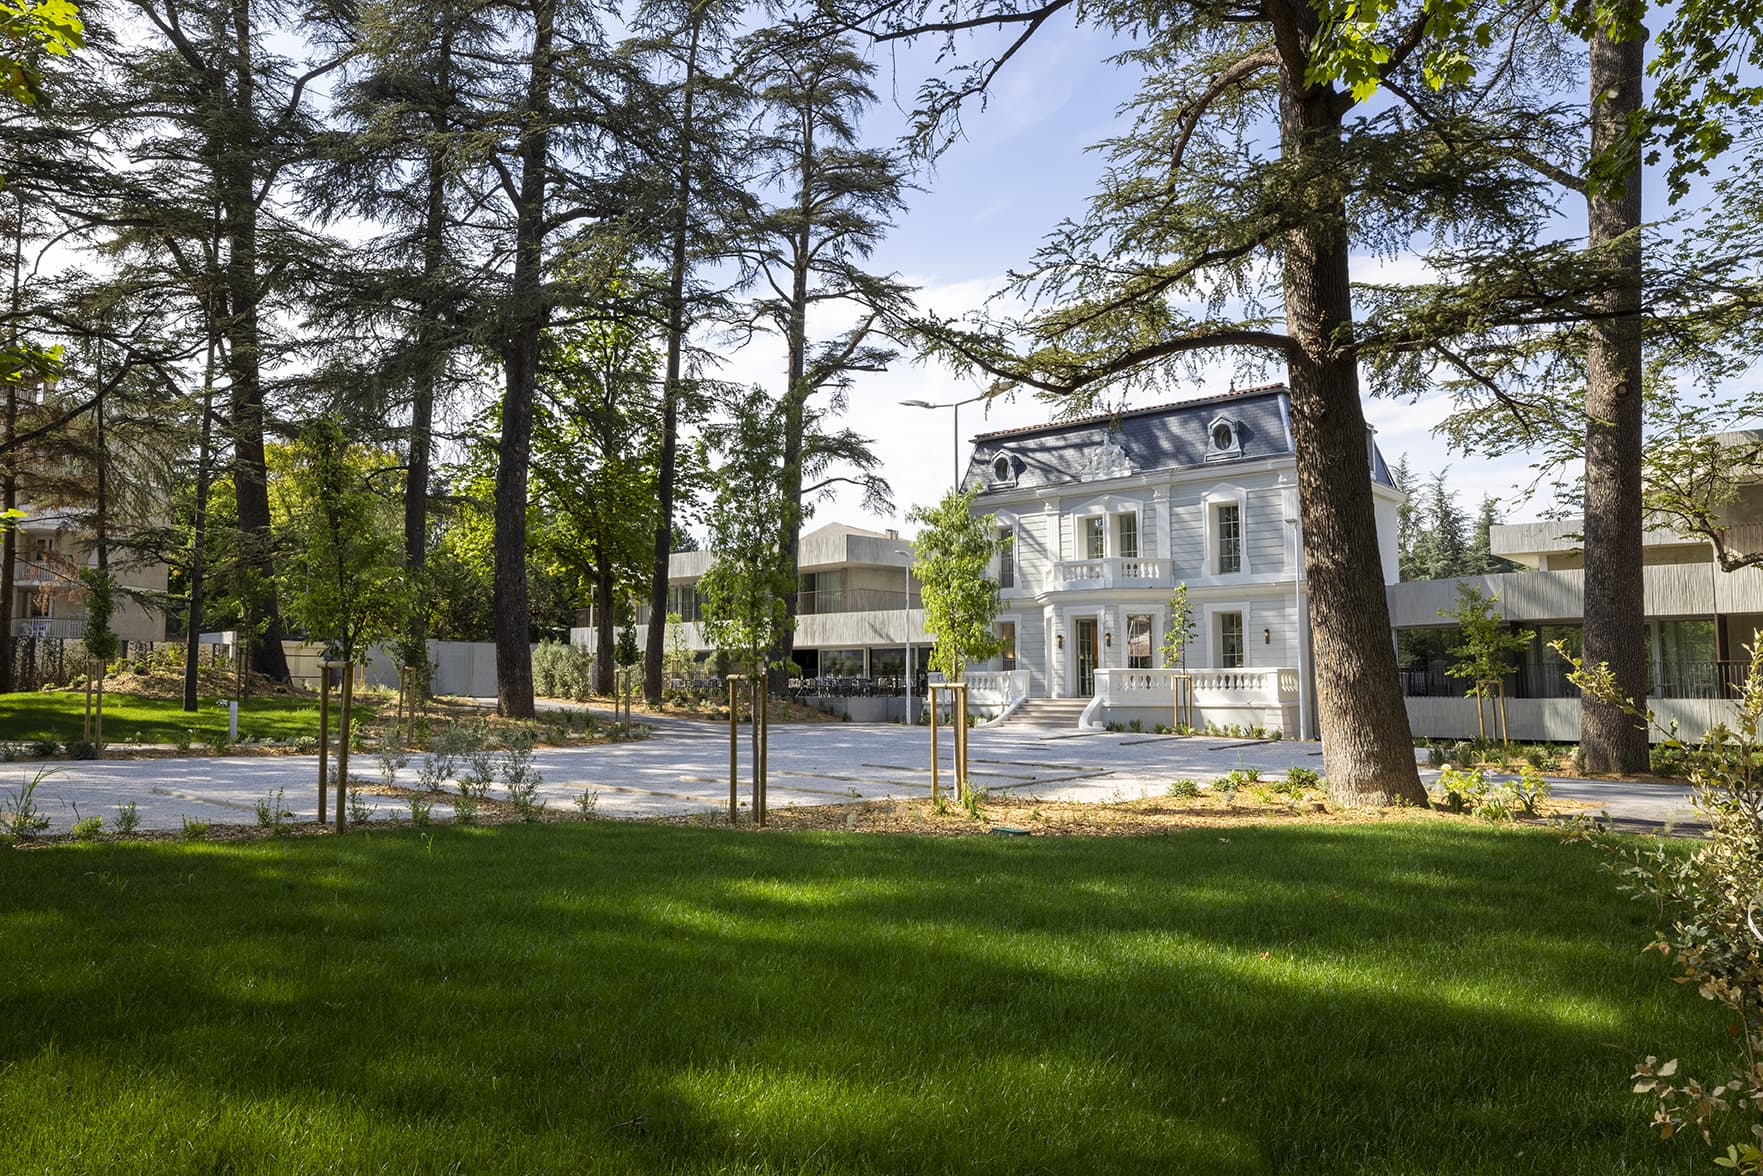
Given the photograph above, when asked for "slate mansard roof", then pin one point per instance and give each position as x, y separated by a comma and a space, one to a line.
1140, 440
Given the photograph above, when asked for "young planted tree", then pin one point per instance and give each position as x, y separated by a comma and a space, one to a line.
743, 592
835, 200
342, 579
951, 554
1485, 649
1181, 630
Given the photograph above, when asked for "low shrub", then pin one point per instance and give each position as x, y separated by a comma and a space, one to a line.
193, 830
88, 828
126, 820
1184, 787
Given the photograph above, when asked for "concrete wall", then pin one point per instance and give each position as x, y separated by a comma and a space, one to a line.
465, 668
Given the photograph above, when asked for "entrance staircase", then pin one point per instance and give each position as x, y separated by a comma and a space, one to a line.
1047, 714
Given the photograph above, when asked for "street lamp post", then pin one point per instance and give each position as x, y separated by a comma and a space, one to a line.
956, 405
906, 632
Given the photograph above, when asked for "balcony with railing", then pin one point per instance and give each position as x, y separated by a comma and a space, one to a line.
1115, 571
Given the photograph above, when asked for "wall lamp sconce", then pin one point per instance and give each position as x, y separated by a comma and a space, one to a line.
1107, 639
1059, 641
1267, 636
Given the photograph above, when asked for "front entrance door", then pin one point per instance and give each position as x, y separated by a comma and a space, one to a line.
1086, 657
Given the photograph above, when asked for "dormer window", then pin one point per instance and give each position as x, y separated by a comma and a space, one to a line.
1224, 439
1003, 472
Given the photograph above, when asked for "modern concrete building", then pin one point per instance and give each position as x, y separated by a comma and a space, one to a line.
858, 608
48, 597
1699, 622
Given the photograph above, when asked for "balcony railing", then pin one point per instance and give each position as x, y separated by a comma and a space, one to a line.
1115, 571
1691, 679
49, 627
1273, 685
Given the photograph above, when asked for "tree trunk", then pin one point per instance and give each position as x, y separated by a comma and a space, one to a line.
422, 401
9, 474
250, 479
1615, 626
1364, 723
670, 392
605, 640
198, 539
520, 365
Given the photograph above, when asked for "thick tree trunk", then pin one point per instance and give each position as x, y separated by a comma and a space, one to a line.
605, 639
1368, 746
8, 543
198, 541
1615, 628
655, 646
422, 401
9, 472
520, 364
250, 478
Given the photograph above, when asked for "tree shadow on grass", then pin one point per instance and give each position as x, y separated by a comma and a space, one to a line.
1394, 999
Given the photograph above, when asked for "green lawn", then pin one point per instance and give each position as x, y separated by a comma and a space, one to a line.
130, 718
609, 997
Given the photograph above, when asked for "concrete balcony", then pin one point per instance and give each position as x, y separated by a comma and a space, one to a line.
1112, 572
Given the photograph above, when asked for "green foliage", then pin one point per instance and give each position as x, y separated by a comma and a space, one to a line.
627, 653
193, 830
28, 30
744, 591
562, 670
1350, 47
272, 811
1530, 789
1486, 645
100, 586
126, 820
1708, 901
1302, 780
951, 554
20, 819
88, 828
1181, 631
82, 749
343, 580
1462, 791
1185, 786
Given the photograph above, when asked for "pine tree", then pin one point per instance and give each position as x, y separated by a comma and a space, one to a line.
696, 186
809, 251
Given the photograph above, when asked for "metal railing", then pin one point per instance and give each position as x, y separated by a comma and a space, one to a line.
1690, 679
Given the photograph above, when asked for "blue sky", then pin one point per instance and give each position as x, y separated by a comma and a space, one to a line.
1020, 168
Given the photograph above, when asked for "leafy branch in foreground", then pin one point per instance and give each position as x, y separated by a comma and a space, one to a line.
1709, 902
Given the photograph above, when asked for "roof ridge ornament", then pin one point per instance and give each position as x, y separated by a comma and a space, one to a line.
1108, 460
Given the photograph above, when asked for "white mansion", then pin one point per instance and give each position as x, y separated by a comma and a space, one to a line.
1105, 515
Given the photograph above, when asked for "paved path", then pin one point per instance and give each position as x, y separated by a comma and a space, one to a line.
683, 768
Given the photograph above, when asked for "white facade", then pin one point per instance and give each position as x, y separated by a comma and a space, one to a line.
1104, 518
